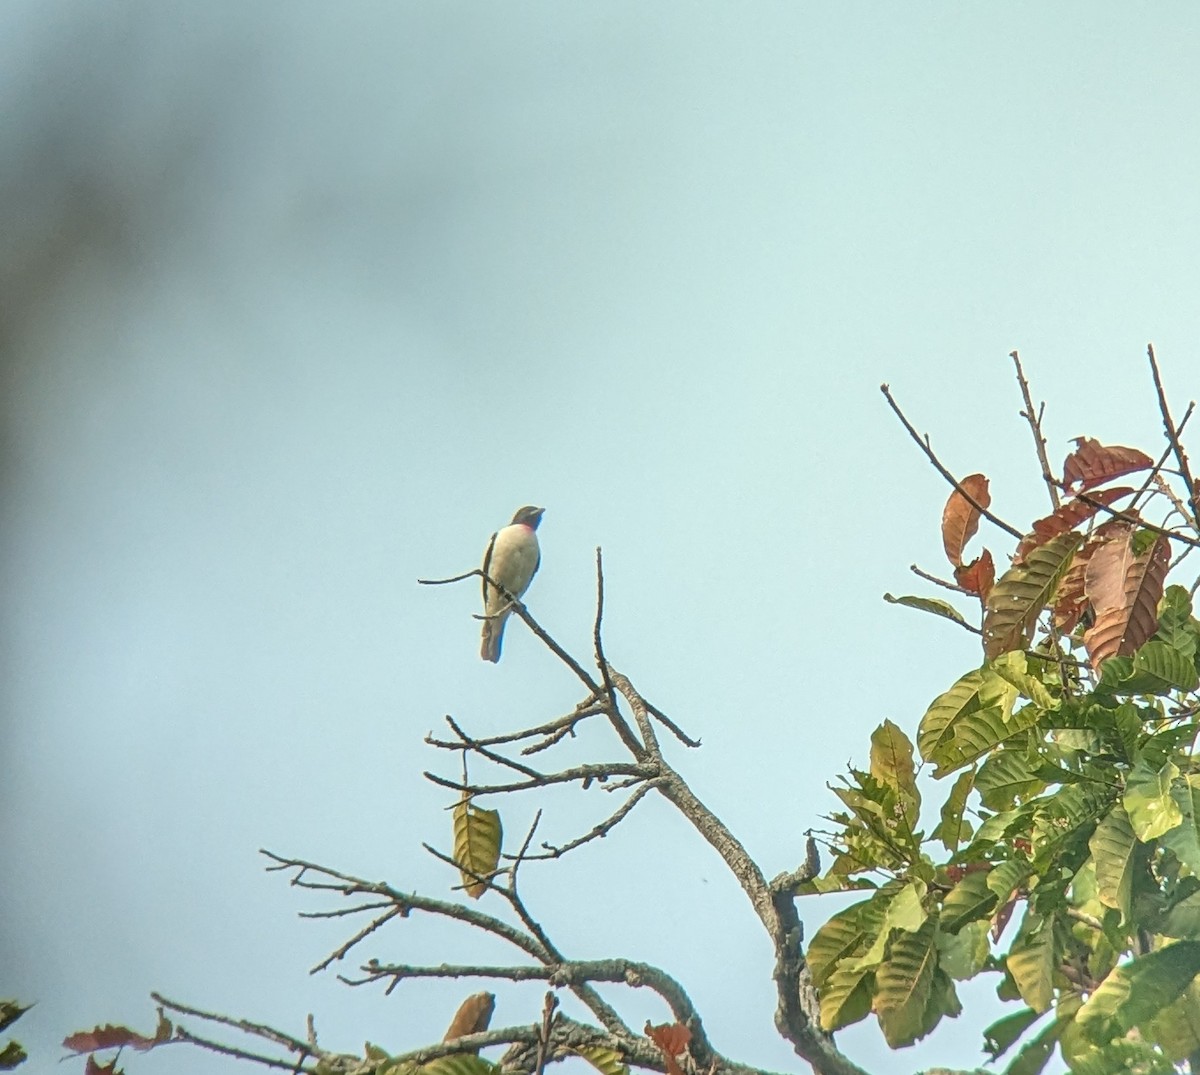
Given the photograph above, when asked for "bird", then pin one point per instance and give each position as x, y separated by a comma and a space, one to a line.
511, 561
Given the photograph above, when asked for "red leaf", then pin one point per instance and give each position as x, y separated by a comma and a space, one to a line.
1124, 591
960, 518
117, 1037
1068, 516
1001, 917
978, 575
672, 1039
1093, 463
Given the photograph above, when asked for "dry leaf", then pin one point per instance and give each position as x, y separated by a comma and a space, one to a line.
473, 1016
477, 838
960, 518
672, 1039
1124, 591
117, 1037
978, 575
1093, 463
1068, 516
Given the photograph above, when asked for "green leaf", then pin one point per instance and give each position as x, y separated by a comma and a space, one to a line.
1182, 918
892, 763
10, 1012
846, 997
936, 730
1148, 801
1006, 776
458, 1064
1135, 992
1032, 960
1177, 1027
903, 984
962, 955
1123, 1055
951, 830
1128, 720
928, 604
1034, 1054
904, 912
1159, 668
477, 838
12, 1055
844, 934
1021, 593
1175, 625
968, 901
605, 1060
1003, 1033
1114, 846
1013, 668
1184, 839
971, 718
1006, 877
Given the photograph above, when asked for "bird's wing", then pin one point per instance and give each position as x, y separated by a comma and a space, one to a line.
487, 566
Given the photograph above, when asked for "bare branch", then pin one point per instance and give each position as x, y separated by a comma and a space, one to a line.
406, 902
1134, 519
671, 726
585, 774
566, 973
1176, 445
603, 829
522, 612
943, 583
1035, 427
923, 444
589, 708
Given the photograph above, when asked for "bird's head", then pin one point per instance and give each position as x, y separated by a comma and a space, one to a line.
529, 516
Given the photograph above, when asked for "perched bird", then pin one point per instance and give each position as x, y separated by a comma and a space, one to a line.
511, 560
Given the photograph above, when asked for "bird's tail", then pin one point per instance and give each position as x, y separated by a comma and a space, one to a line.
493, 635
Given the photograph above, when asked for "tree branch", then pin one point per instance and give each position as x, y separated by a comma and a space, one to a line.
923, 444
1035, 427
1173, 437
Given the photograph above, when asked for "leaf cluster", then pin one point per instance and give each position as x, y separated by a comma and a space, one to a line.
1065, 858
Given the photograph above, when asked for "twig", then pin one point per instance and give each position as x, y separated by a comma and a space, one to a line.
614, 712
585, 774
671, 726
923, 444
628, 972
186, 1037
407, 902
603, 829
1132, 518
361, 935
543, 1045
1173, 437
260, 1030
1035, 427
940, 582
474, 744
567, 723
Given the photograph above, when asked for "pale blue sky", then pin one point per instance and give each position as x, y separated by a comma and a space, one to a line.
301, 301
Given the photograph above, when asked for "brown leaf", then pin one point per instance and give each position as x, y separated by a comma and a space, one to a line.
117, 1037
1124, 591
978, 575
960, 518
1093, 463
94, 1067
1068, 516
473, 1016
672, 1039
